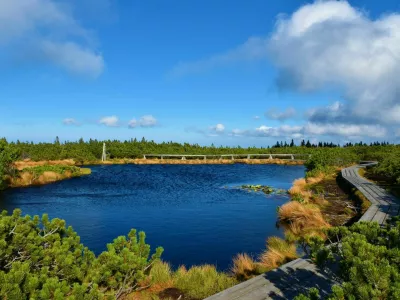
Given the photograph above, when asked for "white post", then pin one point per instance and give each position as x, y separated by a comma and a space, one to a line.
248, 156
183, 158
205, 157
292, 157
144, 156
270, 156
103, 155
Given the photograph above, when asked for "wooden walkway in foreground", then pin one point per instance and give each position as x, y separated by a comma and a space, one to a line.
299, 275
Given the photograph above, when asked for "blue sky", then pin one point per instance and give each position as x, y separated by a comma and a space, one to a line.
247, 73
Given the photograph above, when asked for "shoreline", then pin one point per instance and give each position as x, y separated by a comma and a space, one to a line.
28, 175
141, 161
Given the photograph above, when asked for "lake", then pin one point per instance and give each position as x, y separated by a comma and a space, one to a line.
193, 211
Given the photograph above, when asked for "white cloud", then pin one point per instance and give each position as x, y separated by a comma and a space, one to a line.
256, 117
144, 121
219, 128
330, 45
70, 121
51, 33
349, 130
273, 114
111, 121
338, 46
74, 58
310, 130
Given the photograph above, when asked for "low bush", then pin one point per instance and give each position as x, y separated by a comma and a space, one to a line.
202, 281
369, 261
44, 259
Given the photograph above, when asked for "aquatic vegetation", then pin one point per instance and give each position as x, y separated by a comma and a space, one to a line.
258, 188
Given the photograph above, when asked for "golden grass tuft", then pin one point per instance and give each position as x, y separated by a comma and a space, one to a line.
302, 219
244, 267
278, 252
298, 186
20, 165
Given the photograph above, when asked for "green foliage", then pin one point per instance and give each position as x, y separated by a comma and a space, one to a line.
389, 168
7, 156
369, 260
44, 259
161, 272
313, 294
91, 150
299, 198
203, 281
322, 160
60, 169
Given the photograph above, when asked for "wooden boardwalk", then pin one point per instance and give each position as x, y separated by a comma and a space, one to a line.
383, 205
301, 157
301, 274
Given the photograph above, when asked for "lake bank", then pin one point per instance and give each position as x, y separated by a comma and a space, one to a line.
27, 174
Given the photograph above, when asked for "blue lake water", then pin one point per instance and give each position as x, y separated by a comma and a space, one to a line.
193, 211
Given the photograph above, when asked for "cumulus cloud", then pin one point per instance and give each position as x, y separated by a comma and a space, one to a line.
273, 114
256, 117
339, 46
51, 33
330, 45
144, 121
111, 121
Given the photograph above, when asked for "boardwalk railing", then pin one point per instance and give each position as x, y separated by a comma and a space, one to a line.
301, 274
228, 156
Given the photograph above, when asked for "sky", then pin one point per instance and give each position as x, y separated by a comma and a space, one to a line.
235, 72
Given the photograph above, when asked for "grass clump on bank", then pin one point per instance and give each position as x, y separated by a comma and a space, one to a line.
278, 252
201, 281
44, 174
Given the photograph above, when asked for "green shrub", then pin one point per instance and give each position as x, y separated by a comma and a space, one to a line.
160, 272
44, 259
369, 260
202, 281
60, 169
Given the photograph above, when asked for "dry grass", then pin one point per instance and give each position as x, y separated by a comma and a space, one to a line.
298, 186
302, 219
244, 267
28, 178
20, 165
278, 252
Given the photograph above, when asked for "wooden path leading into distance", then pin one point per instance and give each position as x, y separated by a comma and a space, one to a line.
299, 275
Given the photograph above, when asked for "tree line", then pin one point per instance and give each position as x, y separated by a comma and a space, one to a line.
86, 151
